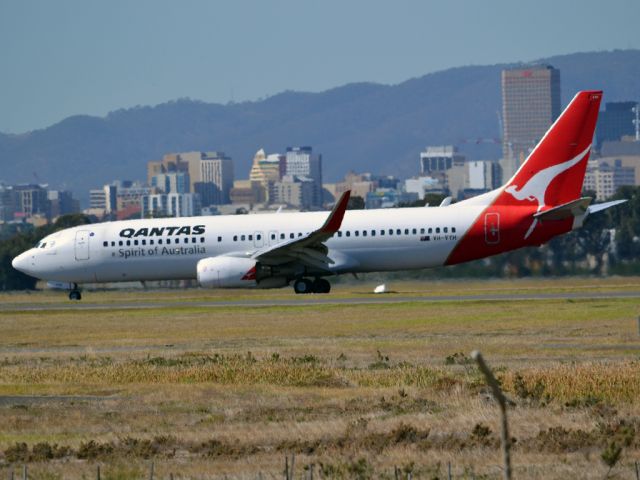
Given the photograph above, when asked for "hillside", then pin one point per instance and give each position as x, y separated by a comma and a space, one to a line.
363, 126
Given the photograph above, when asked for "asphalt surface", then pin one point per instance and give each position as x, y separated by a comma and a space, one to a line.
311, 300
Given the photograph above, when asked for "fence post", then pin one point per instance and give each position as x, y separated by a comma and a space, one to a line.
286, 467
502, 403
449, 470
636, 463
25, 473
97, 472
151, 471
293, 461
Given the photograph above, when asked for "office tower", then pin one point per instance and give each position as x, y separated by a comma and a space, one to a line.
265, 171
530, 104
301, 162
615, 122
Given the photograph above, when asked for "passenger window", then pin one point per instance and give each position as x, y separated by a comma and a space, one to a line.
282, 236
128, 243
219, 239
446, 229
381, 232
235, 238
113, 244
193, 240
437, 229
243, 237
299, 234
453, 229
430, 230
422, 230
292, 235
339, 234
364, 233
202, 239
356, 233
135, 242
391, 231
399, 232
273, 237
373, 233
258, 237
144, 242
406, 231
159, 241
348, 233
414, 231
151, 242
250, 237
105, 244
120, 243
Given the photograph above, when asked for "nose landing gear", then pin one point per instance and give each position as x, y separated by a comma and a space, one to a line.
74, 294
304, 285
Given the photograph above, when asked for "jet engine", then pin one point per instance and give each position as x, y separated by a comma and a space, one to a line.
235, 272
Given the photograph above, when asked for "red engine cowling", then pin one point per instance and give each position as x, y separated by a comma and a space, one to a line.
227, 272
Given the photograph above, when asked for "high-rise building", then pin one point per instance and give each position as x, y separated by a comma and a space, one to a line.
7, 203
530, 104
446, 165
296, 191
210, 174
265, 171
615, 122
171, 205
171, 182
61, 202
31, 200
301, 162
605, 176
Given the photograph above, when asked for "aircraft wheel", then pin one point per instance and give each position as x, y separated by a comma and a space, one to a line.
302, 285
75, 295
321, 285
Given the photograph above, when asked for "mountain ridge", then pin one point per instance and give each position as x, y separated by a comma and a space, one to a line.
363, 126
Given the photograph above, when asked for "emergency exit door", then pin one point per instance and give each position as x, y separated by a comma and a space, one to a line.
492, 228
82, 245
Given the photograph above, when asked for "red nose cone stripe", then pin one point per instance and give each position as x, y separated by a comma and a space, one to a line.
250, 275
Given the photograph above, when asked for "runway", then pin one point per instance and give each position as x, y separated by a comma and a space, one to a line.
313, 300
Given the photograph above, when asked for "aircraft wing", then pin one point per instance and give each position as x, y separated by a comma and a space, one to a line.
309, 249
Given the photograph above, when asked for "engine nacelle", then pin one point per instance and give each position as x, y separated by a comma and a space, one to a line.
234, 272
227, 272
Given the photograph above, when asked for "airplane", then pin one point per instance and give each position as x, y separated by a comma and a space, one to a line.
542, 200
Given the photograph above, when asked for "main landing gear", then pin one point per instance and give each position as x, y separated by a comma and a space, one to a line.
74, 294
304, 285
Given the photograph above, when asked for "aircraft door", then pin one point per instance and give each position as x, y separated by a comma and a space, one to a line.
258, 239
82, 245
492, 228
273, 237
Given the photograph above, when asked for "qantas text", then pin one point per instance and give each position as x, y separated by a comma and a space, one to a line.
160, 231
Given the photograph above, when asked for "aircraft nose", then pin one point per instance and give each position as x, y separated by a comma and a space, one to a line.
21, 262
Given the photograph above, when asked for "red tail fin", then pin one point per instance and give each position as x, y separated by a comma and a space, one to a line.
554, 172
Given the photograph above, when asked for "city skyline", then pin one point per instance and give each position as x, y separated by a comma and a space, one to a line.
87, 58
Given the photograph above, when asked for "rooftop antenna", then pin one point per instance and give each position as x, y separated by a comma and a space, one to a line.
636, 121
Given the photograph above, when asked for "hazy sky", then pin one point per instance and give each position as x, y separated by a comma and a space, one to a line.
65, 57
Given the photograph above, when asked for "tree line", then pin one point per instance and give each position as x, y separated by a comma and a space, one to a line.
608, 243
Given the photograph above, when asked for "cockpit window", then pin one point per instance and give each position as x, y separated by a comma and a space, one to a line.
43, 244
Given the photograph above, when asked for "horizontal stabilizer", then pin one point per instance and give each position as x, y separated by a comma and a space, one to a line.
603, 206
568, 210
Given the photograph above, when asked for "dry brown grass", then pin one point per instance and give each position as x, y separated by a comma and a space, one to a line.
357, 389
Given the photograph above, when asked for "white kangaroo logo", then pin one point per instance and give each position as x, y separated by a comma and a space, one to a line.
536, 188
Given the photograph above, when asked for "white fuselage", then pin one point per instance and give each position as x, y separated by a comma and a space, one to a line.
368, 240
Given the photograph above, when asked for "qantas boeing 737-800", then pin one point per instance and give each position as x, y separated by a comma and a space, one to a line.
542, 200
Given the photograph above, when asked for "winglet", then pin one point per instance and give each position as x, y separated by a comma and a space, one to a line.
334, 220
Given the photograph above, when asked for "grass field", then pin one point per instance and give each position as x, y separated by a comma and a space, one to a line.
353, 389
